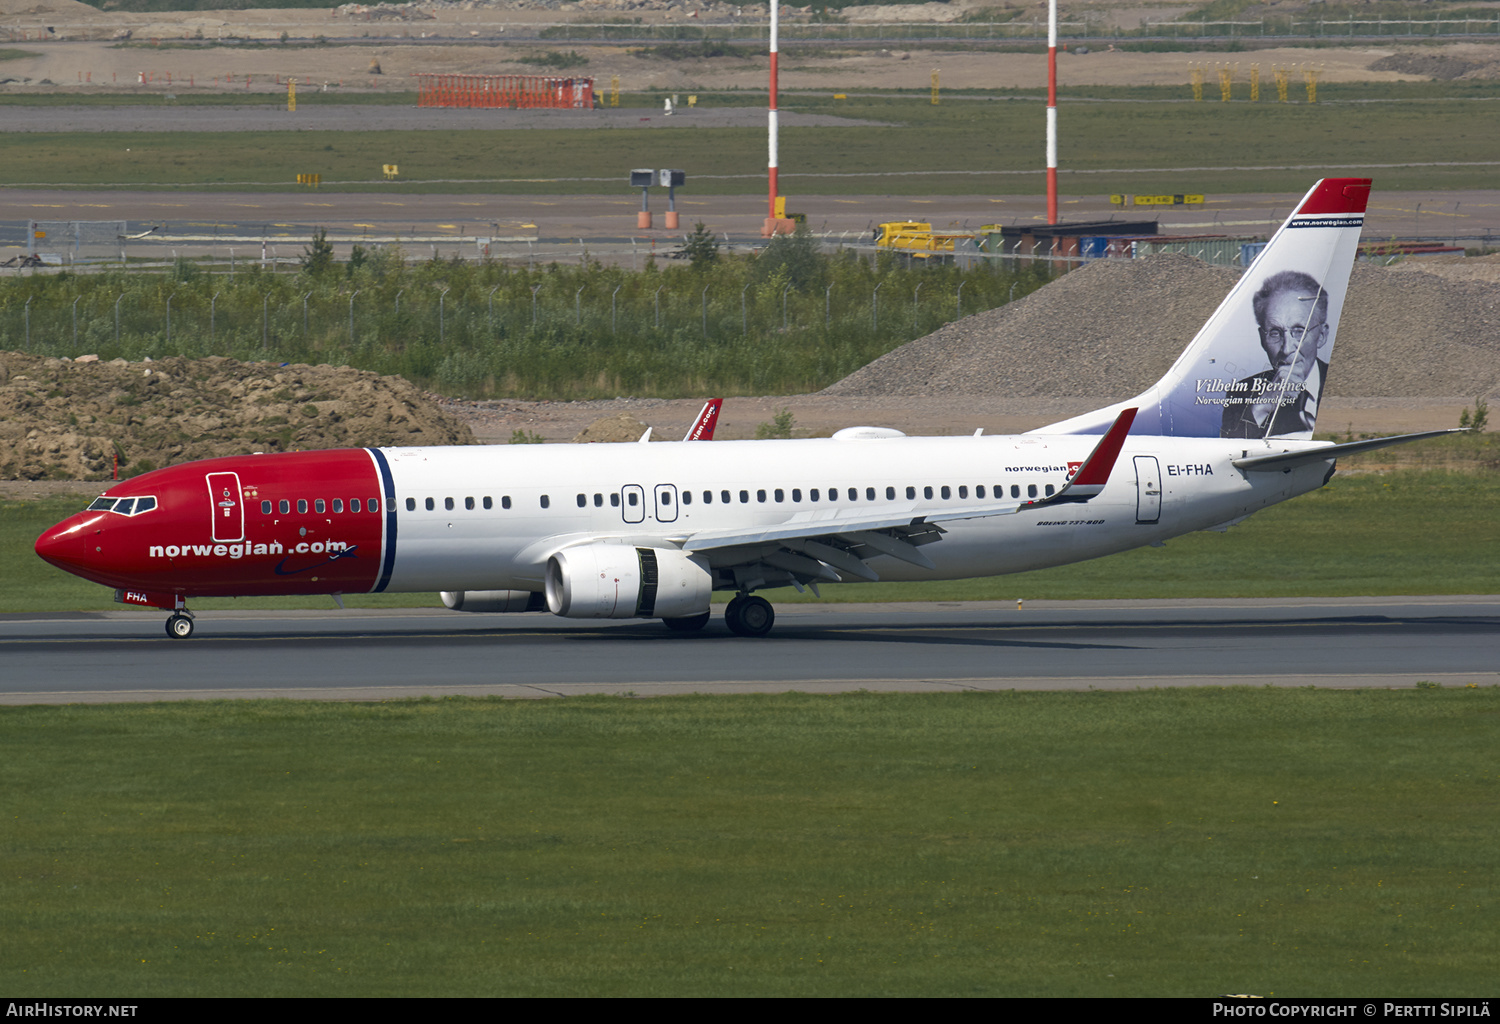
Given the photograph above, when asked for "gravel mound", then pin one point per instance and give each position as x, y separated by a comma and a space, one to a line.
1432, 65
1110, 329
62, 419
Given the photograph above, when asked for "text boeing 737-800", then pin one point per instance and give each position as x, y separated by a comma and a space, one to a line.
652, 530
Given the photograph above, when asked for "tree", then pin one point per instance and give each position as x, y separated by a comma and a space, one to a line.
702, 248
317, 258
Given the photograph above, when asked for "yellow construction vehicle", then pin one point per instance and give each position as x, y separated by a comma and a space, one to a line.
917, 238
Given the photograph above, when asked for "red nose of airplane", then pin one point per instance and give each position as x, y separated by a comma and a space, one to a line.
65, 544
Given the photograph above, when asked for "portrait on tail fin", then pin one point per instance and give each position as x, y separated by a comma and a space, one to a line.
1291, 316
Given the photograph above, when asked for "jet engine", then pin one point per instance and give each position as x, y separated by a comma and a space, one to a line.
617, 581
493, 600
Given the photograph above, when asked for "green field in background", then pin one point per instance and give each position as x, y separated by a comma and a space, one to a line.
1407, 532
1184, 842
919, 152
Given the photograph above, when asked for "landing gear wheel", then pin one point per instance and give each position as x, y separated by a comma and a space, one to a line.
688, 624
179, 627
749, 616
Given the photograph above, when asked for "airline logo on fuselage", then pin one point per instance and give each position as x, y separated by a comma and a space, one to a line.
336, 548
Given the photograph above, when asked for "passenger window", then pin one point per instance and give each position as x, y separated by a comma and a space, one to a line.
666, 498
760, 496
780, 495
338, 505
687, 497
812, 495
927, 492
583, 501
630, 499
1031, 490
724, 497
430, 504
708, 497
265, 508
448, 504
796, 494
411, 504
505, 501
853, 494
319, 507
614, 501
469, 503
546, 501
979, 491
1015, 490
869, 494
374, 505
285, 506
302, 506
744, 497
963, 491
1049, 490
890, 494
489, 502
353, 504
598, 501
947, 492
911, 492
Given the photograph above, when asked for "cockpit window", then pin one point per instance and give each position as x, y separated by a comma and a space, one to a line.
123, 506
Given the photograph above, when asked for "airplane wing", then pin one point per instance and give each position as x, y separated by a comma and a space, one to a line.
708, 418
1285, 460
829, 544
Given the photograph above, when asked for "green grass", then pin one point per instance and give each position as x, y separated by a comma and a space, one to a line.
1211, 139
1156, 843
1407, 532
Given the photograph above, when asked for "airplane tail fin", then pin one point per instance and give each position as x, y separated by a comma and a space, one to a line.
1258, 367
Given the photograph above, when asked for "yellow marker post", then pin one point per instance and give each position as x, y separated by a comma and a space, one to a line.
1254, 83
934, 87
614, 90
291, 95
1197, 84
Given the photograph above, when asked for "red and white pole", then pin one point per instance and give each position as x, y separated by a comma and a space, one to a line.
1051, 111
771, 121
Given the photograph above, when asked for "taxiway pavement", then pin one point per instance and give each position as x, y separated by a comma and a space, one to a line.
377, 655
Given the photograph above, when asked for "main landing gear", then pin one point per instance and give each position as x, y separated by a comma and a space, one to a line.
749, 616
180, 625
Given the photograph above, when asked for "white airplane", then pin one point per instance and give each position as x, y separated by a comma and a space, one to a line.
652, 530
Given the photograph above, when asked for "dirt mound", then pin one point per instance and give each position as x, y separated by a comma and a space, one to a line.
1441, 66
623, 427
63, 419
1111, 329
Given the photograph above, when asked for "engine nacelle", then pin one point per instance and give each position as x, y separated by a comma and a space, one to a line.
617, 581
494, 600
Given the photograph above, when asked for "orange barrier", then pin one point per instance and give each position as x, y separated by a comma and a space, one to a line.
505, 91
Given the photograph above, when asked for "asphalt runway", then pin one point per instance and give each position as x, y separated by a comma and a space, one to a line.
211, 221
939, 647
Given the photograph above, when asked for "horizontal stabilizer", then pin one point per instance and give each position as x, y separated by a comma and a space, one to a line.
1283, 460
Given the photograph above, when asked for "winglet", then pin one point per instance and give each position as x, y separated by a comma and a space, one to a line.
708, 417
1094, 473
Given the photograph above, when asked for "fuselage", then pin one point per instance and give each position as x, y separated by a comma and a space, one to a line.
488, 518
